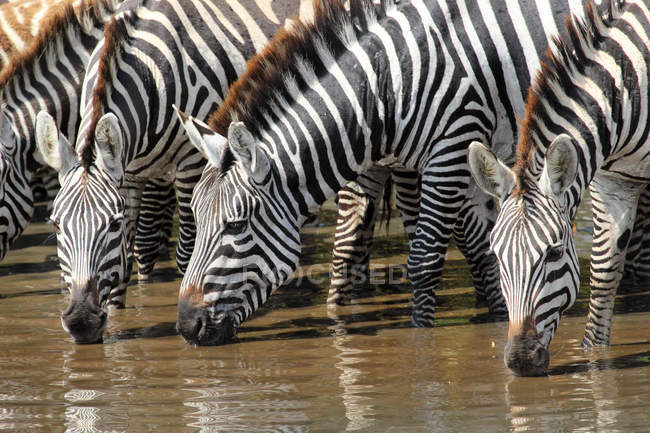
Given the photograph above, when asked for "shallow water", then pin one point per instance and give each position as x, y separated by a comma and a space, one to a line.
298, 367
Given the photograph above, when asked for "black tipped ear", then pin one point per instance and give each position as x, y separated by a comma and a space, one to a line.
491, 175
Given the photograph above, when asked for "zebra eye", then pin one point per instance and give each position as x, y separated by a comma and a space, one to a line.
554, 253
234, 227
55, 225
116, 221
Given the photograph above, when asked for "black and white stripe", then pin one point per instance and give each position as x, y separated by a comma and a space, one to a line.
413, 81
155, 54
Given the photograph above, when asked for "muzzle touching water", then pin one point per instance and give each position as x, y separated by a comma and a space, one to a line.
84, 322
84, 318
525, 354
198, 326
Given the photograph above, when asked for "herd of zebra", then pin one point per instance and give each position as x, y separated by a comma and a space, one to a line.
249, 114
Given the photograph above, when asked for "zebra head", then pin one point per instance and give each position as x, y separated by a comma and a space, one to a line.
16, 198
247, 242
533, 243
88, 215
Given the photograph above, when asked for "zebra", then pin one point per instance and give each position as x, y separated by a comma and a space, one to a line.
45, 75
183, 52
410, 82
585, 125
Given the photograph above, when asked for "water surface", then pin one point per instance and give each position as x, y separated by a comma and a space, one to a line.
299, 367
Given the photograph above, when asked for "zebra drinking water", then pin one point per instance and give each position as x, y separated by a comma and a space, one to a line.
586, 124
413, 81
184, 52
46, 74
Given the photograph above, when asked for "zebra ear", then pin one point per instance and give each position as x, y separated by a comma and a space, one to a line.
560, 166
108, 143
491, 175
252, 157
54, 148
211, 144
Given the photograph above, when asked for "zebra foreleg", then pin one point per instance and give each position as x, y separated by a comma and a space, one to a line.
443, 193
188, 173
131, 190
614, 210
472, 235
357, 211
637, 259
154, 226
407, 197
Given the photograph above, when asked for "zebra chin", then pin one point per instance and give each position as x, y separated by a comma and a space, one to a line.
84, 322
525, 353
199, 327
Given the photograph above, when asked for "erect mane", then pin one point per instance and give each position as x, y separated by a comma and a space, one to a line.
60, 20
567, 56
268, 74
115, 34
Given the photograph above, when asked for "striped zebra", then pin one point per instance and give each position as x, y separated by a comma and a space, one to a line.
45, 75
586, 123
413, 82
19, 21
182, 52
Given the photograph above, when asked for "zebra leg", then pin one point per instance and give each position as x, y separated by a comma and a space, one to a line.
614, 210
407, 197
131, 190
443, 192
637, 259
357, 211
154, 226
472, 235
188, 173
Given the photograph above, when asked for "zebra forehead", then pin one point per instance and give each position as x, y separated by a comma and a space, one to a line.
227, 195
525, 219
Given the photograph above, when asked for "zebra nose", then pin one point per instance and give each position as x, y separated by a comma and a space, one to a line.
198, 328
84, 322
192, 322
526, 356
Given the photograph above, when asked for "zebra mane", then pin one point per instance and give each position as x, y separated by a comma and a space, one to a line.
563, 58
116, 32
62, 19
292, 49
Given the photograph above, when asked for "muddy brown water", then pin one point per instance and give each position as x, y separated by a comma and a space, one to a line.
299, 367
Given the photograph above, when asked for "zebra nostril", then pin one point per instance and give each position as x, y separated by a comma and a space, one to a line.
199, 327
541, 358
